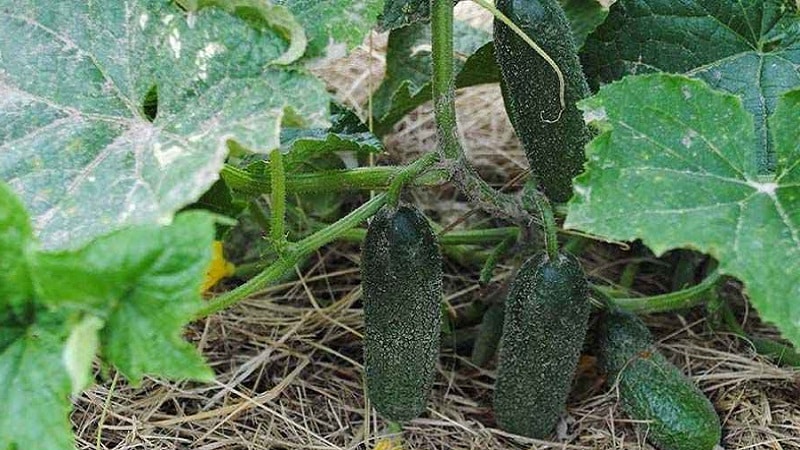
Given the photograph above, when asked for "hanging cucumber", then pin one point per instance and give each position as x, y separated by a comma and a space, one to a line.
553, 139
675, 413
546, 315
401, 269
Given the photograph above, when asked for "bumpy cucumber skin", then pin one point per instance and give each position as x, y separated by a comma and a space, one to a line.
531, 92
489, 335
678, 415
546, 318
401, 269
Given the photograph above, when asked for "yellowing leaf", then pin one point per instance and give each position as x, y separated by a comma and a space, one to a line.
219, 267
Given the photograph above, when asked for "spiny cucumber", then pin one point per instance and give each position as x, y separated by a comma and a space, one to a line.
675, 413
553, 140
546, 315
401, 268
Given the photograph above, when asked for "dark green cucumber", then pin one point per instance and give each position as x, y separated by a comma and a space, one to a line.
546, 317
677, 415
401, 269
531, 92
489, 334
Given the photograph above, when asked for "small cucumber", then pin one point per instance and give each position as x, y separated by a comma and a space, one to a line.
401, 269
489, 334
677, 415
546, 318
531, 92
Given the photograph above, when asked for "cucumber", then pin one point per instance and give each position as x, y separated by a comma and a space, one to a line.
489, 334
401, 270
531, 92
677, 415
546, 318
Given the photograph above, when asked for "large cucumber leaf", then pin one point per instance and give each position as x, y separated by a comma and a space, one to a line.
674, 165
750, 48
78, 140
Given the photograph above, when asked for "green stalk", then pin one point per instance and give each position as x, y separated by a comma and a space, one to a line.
294, 254
410, 173
540, 204
491, 262
361, 178
450, 150
685, 298
781, 354
277, 227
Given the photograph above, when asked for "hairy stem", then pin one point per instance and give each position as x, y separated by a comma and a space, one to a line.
362, 178
540, 204
449, 147
277, 227
294, 254
685, 298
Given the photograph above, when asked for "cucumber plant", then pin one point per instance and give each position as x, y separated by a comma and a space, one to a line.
109, 147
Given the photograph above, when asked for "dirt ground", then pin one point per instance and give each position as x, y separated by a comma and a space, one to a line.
288, 361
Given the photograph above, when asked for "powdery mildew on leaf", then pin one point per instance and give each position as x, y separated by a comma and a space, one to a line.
675, 166
334, 27
75, 141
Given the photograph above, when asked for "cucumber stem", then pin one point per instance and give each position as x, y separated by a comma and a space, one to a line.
538, 201
277, 228
684, 298
411, 172
510, 24
494, 257
293, 255
782, 354
449, 147
361, 178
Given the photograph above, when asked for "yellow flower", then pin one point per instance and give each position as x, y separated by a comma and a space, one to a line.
389, 444
218, 268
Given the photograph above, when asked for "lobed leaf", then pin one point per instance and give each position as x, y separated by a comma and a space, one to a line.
140, 127
750, 48
675, 166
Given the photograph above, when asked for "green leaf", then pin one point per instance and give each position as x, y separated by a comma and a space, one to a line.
347, 133
75, 141
15, 238
143, 333
262, 13
750, 48
334, 27
35, 385
409, 71
675, 166
145, 281
399, 13
584, 17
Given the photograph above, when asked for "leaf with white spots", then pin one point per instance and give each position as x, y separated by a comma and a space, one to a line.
333, 27
750, 48
675, 166
82, 139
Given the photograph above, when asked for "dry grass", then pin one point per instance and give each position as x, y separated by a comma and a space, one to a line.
288, 361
